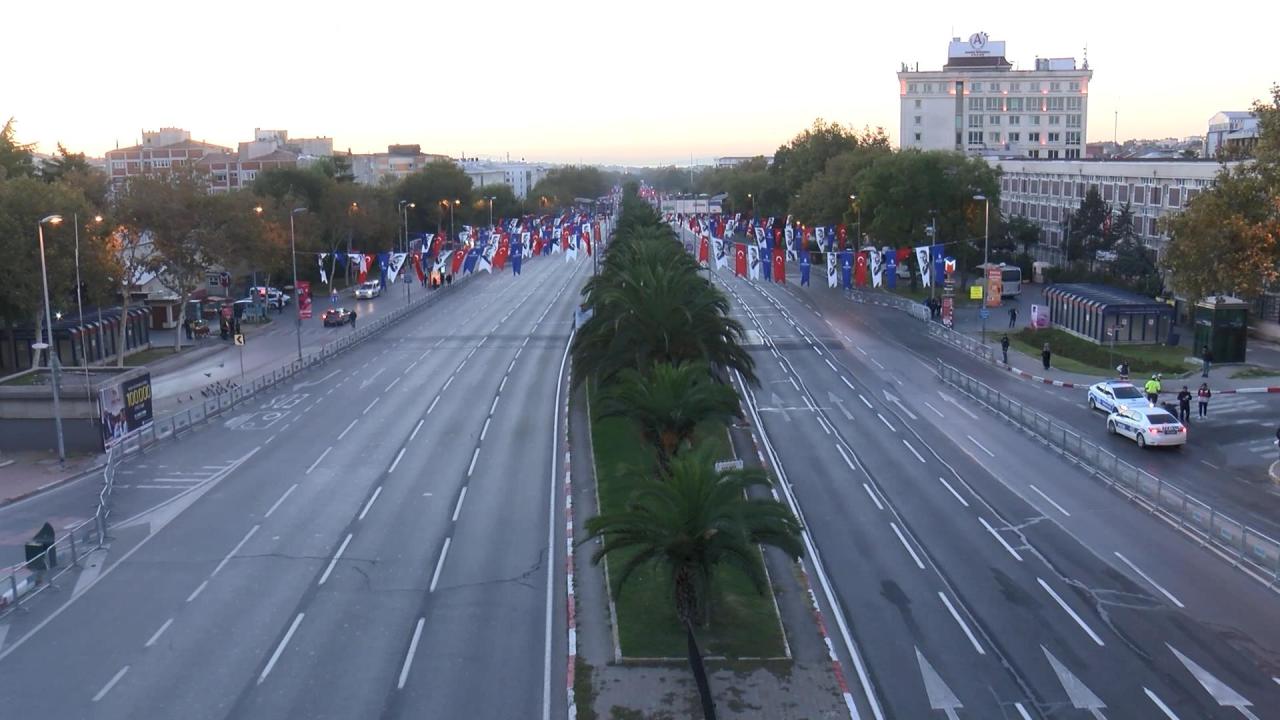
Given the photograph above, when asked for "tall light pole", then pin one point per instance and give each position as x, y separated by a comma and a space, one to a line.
450, 204
857, 206
986, 237
84, 351
48, 322
297, 301
404, 206
491, 199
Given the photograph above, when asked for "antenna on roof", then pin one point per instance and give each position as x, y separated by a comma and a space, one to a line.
1086, 56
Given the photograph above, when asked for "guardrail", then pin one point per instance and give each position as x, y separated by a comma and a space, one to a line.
918, 311
1243, 545
21, 582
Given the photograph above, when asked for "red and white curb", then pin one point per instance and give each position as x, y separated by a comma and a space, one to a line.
1063, 384
571, 619
1037, 378
1247, 391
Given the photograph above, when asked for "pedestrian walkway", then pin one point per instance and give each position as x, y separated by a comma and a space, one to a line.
26, 473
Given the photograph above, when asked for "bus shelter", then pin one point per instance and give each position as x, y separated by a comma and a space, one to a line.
1106, 315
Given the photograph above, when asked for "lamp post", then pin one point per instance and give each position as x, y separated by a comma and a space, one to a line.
404, 214
491, 199
48, 321
293, 250
84, 351
450, 205
857, 206
986, 236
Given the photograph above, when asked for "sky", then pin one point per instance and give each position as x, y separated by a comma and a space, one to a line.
567, 81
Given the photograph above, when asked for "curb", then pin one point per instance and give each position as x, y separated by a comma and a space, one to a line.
52, 485
1037, 378
1274, 472
570, 606
24, 587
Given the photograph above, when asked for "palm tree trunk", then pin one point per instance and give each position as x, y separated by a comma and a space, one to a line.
700, 675
686, 598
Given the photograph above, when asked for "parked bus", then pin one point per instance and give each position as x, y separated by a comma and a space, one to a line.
1011, 275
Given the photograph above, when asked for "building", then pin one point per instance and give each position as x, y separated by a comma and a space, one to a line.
398, 162
736, 160
226, 171
1233, 131
266, 142
692, 204
979, 104
160, 150
521, 177
1049, 191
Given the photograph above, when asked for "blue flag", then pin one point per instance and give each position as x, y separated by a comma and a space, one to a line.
469, 262
382, 267
516, 255
805, 267
939, 275
891, 267
846, 269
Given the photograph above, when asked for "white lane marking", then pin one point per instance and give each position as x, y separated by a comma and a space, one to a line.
199, 589
415, 430
913, 450
830, 365
890, 426
503, 385
846, 382
280, 648
975, 442
956, 616
110, 684
462, 365
447, 383
396, 461
410, 366
235, 549
955, 402
273, 437
844, 457
1160, 704
952, 490
815, 347
494, 406
782, 365
793, 384
1215, 467
435, 576
1154, 584
1022, 712
934, 409
317, 462
864, 400
433, 404
1063, 604
511, 366
877, 362
159, 632
825, 428
282, 497
902, 539
1000, 539
864, 352
458, 508
376, 492
344, 432
341, 549
1049, 500
366, 410
408, 658
471, 468
393, 384
485, 430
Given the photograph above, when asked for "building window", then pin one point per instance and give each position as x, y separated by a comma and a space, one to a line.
1035, 119
1053, 154
913, 88
1055, 137
1015, 119
993, 120
993, 138
1155, 194
975, 138
1015, 137
1015, 87
1073, 121
1015, 104
928, 88
975, 104
1074, 86
917, 137
917, 104
993, 104
1033, 137
1154, 225
1174, 196
1055, 119
1140, 195
1073, 137
1073, 103
1055, 87
976, 87
975, 121
1035, 86
1073, 153
1055, 104
995, 87
917, 118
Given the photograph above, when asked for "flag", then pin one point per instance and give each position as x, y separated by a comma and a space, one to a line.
722, 260
860, 269
470, 260
501, 253
926, 267
939, 275
779, 265
395, 264
324, 277
383, 259
704, 251
459, 257
820, 234
571, 247
417, 267
876, 260
789, 235
891, 267
517, 256
586, 238
846, 268
842, 234
740, 259
833, 263
753, 263
805, 266
437, 244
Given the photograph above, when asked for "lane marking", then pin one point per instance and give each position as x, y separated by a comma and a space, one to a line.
877, 362
366, 410
846, 382
396, 461
864, 352
956, 616
393, 384
1215, 467
110, 684
830, 365
844, 457
317, 462
344, 432
376, 492
408, 658
825, 428
235, 549
913, 450
975, 442
433, 404
415, 430
471, 468
485, 430
280, 648
1153, 583
341, 549
793, 384
447, 383
934, 409
1000, 539
1160, 704
200, 588
502, 386
282, 498
435, 577
458, 508
159, 632
1063, 604
1049, 500
902, 539
410, 366
864, 400
952, 490
1022, 711
891, 427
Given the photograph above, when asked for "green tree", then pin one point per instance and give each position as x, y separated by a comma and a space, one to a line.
505, 204
806, 155
825, 198
750, 187
1023, 232
562, 185
1086, 228
63, 163
15, 158
432, 189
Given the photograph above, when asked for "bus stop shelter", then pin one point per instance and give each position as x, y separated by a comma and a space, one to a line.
1106, 315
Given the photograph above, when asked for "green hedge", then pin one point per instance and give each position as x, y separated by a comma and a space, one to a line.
1142, 359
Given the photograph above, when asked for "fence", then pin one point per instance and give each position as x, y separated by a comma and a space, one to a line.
25, 580
920, 312
1242, 544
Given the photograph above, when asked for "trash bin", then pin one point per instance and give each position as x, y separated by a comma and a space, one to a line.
1174, 339
40, 551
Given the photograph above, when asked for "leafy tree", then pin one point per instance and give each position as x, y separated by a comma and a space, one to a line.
750, 187
431, 189
562, 185
505, 204
63, 163
15, 158
1135, 266
1087, 230
1023, 232
1122, 228
824, 199
806, 155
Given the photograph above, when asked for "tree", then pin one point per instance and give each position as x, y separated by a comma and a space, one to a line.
806, 155
1023, 232
689, 522
562, 185
750, 187
505, 204
1087, 228
63, 163
824, 198
431, 189
15, 158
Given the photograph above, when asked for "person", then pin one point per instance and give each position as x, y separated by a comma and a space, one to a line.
1203, 394
1004, 347
1123, 369
353, 319
1152, 389
1206, 359
1184, 405
186, 326
1045, 355
1013, 316
448, 279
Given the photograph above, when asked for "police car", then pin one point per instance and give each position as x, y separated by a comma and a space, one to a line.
1147, 425
1110, 394
369, 290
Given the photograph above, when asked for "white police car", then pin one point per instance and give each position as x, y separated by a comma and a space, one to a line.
369, 290
1111, 394
1147, 425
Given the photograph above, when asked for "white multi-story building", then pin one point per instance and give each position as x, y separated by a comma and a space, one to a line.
979, 104
1231, 130
519, 176
1048, 192
394, 165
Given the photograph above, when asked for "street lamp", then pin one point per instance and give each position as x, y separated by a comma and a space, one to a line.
297, 301
404, 206
491, 199
451, 205
84, 351
48, 348
986, 236
858, 206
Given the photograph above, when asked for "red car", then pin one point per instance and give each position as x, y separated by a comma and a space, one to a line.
339, 316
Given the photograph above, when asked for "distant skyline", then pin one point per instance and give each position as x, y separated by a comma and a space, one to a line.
570, 81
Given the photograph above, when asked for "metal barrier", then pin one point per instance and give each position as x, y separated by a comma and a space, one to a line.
1244, 545
23, 581
885, 299
918, 311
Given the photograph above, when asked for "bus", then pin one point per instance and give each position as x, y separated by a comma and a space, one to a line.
1010, 275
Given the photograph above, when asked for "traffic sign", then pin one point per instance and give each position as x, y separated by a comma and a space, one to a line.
240, 339
984, 313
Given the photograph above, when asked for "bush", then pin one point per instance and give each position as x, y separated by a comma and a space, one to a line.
1142, 359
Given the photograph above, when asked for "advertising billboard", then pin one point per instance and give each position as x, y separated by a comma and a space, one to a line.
124, 407
304, 299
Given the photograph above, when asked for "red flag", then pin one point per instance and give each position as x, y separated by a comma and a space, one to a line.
437, 244
365, 264
808, 238
564, 239
860, 270
586, 238
704, 250
842, 233
456, 265
417, 267
904, 254
779, 265
537, 244
740, 259
500, 255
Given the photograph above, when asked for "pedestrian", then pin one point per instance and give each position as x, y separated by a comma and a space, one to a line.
1206, 360
1045, 355
1184, 405
186, 327
1013, 316
1203, 394
353, 319
1152, 389
1004, 347
1123, 369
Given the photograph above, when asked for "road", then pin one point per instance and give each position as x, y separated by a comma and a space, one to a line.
370, 541
972, 572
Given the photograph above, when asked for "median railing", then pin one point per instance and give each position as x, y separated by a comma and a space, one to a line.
886, 299
1243, 545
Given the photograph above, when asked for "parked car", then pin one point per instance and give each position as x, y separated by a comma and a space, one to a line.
275, 298
370, 289
1147, 425
1110, 394
333, 317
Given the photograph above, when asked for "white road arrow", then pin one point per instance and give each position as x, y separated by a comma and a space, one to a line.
1081, 697
940, 696
840, 404
369, 380
778, 406
309, 383
894, 399
1223, 695
953, 401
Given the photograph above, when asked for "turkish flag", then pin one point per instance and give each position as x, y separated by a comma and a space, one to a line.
842, 233
437, 244
537, 244
417, 266
740, 259
456, 265
779, 265
564, 239
586, 238
860, 270
500, 255
704, 250
904, 254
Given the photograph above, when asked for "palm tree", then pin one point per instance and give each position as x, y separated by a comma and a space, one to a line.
669, 402
690, 521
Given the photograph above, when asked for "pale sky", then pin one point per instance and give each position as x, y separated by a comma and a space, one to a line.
650, 82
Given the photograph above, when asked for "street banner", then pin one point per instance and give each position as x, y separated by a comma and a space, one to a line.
833, 270
417, 267
304, 299
324, 277
704, 251
455, 263
779, 272
753, 263
842, 234
860, 269
517, 256
789, 235
806, 266
846, 269
939, 272
394, 265
926, 267
124, 407
722, 258
876, 260
891, 267
740, 259
383, 260
995, 285
820, 233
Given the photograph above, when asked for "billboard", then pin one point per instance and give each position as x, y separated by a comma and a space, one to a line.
995, 285
304, 299
124, 407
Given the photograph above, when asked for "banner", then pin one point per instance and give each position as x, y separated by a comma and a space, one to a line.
704, 251
779, 273
995, 285
876, 259
842, 233
806, 265
860, 269
753, 263
517, 256
846, 268
394, 265
324, 277
124, 408
926, 267
740, 259
939, 274
722, 258
833, 270
891, 267
304, 299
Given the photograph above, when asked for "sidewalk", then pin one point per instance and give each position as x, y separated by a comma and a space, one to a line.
23, 474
